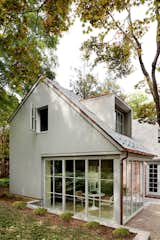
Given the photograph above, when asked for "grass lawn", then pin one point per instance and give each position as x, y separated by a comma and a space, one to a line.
25, 225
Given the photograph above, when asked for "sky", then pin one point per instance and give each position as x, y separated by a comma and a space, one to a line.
69, 57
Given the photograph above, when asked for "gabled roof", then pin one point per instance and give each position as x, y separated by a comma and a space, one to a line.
126, 143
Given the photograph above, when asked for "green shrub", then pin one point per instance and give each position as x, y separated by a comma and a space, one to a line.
19, 204
66, 217
8, 195
120, 232
4, 182
92, 224
40, 211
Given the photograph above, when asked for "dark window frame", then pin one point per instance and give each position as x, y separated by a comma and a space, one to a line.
43, 118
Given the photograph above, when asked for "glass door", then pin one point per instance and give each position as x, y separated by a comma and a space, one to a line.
153, 178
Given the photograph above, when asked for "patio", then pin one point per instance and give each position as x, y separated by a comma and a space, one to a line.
148, 219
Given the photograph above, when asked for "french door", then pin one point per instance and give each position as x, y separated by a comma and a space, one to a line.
153, 179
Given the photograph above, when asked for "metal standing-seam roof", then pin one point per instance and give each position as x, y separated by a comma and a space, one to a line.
127, 143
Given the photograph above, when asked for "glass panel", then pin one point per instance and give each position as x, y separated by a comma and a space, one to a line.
69, 168
107, 169
58, 167
93, 169
80, 185
49, 184
49, 200
69, 186
153, 178
127, 188
49, 168
80, 168
106, 189
69, 204
93, 208
107, 209
58, 185
93, 187
58, 202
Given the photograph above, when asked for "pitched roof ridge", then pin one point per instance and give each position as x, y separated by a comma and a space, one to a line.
124, 141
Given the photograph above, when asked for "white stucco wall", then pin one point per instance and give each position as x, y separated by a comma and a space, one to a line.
68, 133
104, 108
147, 135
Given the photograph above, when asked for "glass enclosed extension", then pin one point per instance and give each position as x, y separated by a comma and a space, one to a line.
132, 188
82, 186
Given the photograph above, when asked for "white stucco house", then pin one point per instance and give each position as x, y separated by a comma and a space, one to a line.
149, 135
77, 155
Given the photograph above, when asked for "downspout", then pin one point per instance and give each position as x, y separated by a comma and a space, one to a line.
121, 197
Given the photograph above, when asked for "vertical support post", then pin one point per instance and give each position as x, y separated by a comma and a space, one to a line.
117, 190
43, 183
86, 188
63, 186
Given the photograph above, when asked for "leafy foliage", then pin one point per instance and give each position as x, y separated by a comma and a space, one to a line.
4, 182
121, 232
92, 224
40, 211
89, 86
120, 36
19, 204
66, 216
142, 108
26, 29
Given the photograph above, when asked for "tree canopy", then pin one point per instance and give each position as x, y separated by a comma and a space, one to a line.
26, 29
120, 37
143, 109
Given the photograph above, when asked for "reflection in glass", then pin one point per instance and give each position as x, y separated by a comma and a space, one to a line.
69, 186
49, 168
58, 185
80, 185
58, 201
69, 168
106, 169
69, 203
58, 167
80, 168
107, 188
93, 169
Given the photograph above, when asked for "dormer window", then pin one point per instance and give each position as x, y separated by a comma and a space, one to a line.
120, 122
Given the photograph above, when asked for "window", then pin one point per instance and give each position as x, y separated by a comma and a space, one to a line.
82, 186
153, 178
119, 122
159, 135
43, 117
33, 118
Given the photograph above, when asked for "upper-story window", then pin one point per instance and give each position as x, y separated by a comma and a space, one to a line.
120, 122
39, 119
43, 118
159, 135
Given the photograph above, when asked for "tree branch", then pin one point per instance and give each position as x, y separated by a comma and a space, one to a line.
139, 53
154, 63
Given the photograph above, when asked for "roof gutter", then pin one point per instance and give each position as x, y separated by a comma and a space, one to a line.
121, 197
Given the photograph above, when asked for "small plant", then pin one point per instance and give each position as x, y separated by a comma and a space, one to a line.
4, 182
8, 195
92, 224
19, 204
120, 232
66, 217
40, 211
